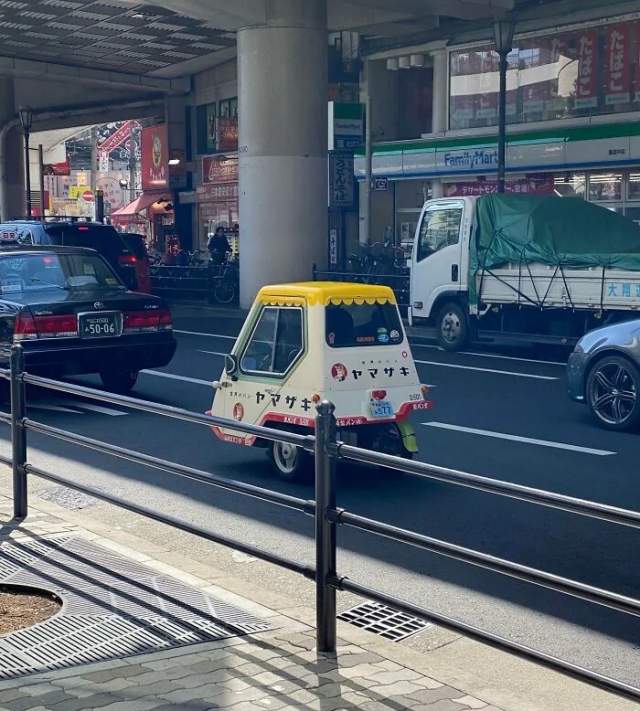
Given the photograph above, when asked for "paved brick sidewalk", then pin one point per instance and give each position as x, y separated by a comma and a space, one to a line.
278, 669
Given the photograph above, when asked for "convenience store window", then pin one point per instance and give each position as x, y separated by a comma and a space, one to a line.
605, 187
634, 186
570, 185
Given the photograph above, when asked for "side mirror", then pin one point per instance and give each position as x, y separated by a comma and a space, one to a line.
231, 366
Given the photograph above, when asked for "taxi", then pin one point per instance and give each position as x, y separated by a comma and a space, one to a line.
312, 341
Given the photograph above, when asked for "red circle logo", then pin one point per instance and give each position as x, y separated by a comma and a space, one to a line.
238, 411
339, 372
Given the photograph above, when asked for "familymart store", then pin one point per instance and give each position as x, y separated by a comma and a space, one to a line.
598, 163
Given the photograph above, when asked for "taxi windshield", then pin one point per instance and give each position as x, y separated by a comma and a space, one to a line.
349, 325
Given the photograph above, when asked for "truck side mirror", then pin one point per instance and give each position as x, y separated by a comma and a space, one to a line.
231, 366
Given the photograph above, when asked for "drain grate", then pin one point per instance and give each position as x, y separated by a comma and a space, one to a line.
384, 621
113, 607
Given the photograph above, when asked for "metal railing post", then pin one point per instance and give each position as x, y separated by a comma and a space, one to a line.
18, 433
325, 529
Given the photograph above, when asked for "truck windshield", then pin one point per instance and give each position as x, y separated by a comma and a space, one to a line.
349, 325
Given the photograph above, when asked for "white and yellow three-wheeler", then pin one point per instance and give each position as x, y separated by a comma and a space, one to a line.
307, 342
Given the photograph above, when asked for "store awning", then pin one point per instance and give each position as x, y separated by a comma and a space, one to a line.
138, 205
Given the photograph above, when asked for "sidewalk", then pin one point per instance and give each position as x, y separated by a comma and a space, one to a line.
220, 650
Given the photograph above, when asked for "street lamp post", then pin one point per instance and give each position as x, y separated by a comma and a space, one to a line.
26, 119
503, 34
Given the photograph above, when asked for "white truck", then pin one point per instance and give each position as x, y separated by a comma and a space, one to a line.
539, 269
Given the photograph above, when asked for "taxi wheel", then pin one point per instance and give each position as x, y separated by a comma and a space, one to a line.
119, 381
290, 462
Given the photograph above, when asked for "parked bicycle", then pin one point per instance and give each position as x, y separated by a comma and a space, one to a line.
227, 283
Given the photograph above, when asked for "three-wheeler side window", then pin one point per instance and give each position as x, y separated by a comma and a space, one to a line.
276, 343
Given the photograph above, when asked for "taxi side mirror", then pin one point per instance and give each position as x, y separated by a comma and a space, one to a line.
231, 366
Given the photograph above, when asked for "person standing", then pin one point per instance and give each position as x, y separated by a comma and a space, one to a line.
219, 246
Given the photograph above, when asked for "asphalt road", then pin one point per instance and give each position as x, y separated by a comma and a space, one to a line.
504, 416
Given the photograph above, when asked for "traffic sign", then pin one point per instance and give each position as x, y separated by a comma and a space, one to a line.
87, 196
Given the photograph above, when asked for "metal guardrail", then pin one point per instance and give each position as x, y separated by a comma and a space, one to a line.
204, 281
328, 516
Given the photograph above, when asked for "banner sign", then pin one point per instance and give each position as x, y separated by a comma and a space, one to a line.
57, 168
586, 84
155, 157
618, 66
227, 133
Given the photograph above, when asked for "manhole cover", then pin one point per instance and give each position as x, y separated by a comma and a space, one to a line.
113, 607
384, 621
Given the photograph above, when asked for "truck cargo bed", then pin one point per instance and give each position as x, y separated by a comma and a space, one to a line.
546, 286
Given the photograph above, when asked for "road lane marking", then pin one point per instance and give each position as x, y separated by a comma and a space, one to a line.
208, 335
485, 370
171, 376
101, 409
517, 438
477, 354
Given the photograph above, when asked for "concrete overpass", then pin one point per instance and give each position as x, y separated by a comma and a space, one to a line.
84, 61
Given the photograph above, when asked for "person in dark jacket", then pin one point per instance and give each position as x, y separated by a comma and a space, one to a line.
219, 246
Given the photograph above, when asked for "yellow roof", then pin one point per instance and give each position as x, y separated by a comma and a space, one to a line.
325, 292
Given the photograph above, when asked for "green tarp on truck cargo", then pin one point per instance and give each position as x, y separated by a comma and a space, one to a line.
573, 233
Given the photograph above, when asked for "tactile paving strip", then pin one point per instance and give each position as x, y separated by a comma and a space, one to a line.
113, 607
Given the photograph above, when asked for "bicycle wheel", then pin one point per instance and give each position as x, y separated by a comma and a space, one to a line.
224, 291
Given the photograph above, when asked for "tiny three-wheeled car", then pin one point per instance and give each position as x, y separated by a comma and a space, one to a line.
306, 342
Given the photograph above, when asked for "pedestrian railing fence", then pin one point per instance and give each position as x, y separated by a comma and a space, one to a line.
216, 283
328, 450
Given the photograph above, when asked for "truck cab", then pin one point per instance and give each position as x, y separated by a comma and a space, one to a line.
440, 266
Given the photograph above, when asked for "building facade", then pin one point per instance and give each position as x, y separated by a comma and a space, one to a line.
573, 113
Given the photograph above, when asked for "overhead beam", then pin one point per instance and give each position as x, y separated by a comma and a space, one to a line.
460, 9
28, 68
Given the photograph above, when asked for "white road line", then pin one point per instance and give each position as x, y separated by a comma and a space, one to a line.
485, 370
516, 438
208, 335
184, 378
101, 409
490, 355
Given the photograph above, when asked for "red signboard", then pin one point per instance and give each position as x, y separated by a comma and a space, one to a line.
618, 66
117, 138
219, 170
535, 185
227, 133
586, 84
155, 157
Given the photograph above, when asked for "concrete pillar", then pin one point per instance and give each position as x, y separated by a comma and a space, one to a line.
12, 193
282, 110
440, 98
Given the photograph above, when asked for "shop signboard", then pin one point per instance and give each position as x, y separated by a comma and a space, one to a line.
586, 84
534, 185
468, 160
418, 162
155, 157
598, 151
618, 69
346, 125
227, 133
341, 184
219, 170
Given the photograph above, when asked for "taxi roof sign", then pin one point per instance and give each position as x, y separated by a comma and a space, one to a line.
326, 292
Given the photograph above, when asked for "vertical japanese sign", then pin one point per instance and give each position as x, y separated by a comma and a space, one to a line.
618, 66
341, 189
155, 157
587, 81
637, 62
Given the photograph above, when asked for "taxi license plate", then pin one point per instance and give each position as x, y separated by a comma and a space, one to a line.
381, 408
102, 325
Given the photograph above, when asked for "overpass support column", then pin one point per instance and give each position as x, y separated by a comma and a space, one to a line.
12, 193
282, 109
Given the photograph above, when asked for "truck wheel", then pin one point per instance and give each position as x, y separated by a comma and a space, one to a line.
613, 393
290, 462
453, 327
